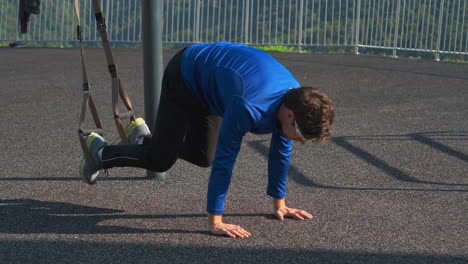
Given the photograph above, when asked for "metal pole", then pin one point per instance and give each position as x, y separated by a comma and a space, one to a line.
397, 24
325, 23
197, 22
247, 22
346, 24
2, 7
463, 23
441, 12
3, 24
63, 25
151, 14
358, 21
301, 15
17, 26
456, 29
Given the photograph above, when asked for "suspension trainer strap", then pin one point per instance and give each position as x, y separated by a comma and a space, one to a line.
87, 98
117, 88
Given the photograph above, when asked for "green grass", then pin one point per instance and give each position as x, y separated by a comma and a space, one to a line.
340, 50
279, 49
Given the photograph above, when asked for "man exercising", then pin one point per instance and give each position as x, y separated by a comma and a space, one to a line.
212, 95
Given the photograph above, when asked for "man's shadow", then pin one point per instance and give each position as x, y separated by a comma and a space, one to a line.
27, 216
430, 139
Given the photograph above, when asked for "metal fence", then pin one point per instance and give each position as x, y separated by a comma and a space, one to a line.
433, 26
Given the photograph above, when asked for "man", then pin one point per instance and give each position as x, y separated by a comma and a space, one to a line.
212, 95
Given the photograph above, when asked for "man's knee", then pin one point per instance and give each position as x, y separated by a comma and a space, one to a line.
161, 164
205, 162
199, 160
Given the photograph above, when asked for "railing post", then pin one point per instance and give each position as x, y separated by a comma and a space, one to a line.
197, 21
358, 22
397, 24
63, 23
247, 22
301, 15
17, 27
441, 13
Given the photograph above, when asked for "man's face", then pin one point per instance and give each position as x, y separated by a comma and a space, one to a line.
288, 125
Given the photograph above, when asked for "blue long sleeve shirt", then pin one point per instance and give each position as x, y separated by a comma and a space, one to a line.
246, 87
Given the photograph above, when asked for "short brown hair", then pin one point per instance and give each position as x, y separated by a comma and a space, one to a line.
313, 110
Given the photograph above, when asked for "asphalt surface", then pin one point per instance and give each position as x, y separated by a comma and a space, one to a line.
390, 187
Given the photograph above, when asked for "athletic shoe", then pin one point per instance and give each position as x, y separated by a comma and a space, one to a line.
94, 142
137, 129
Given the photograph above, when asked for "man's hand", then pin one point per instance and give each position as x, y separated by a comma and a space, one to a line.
217, 227
284, 211
229, 230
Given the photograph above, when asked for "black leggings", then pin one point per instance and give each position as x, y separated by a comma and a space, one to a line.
184, 129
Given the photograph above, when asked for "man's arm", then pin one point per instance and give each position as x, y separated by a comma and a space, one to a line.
278, 166
236, 123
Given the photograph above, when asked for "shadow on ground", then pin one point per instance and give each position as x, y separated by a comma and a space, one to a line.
82, 252
345, 142
27, 216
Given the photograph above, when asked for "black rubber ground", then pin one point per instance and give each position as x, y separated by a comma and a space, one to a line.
390, 187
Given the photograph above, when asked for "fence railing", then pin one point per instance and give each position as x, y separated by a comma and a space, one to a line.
433, 26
